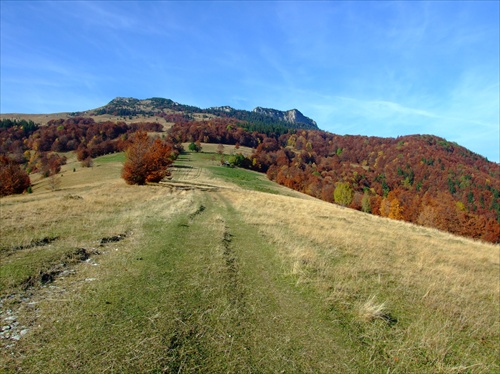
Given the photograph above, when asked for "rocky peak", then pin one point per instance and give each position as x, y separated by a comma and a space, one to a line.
292, 116
123, 101
225, 108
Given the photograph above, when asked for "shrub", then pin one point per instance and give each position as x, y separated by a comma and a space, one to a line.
87, 163
195, 147
54, 183
239, 160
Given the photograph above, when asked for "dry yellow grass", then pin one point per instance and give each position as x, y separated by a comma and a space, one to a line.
91, 203
228, 149
442, 290
370, 310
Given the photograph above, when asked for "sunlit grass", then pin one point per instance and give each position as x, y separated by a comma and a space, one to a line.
424, 298
237, 280
113, 157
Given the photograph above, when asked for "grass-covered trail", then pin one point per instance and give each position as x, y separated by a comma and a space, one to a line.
200, 291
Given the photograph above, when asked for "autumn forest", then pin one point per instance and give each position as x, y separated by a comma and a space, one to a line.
421, 179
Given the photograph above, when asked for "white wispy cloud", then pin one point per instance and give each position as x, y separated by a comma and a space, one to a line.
468, 126
98, 14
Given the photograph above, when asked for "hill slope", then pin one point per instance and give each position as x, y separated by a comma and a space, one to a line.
420, 178
208, 273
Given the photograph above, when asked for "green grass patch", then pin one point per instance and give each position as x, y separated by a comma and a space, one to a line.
200, 291
113, 157
247, 179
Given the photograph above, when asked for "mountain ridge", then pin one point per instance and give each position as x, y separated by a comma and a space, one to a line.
129, 106
292, 115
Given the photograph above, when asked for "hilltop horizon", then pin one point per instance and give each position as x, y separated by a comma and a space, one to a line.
118, 100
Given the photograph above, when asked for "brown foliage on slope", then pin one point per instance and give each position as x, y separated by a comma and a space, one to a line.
13, 179
147, 160
419, 178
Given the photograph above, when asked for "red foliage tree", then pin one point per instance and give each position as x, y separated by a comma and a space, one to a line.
147, 160
12, 178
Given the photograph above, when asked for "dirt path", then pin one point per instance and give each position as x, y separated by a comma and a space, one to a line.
276, 309
237, 311
200, 292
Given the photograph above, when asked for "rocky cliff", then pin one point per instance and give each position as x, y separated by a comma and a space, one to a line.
292, 116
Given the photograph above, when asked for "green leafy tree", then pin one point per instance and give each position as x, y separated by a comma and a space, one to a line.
194, 147
343, 193
366, 205
239, 160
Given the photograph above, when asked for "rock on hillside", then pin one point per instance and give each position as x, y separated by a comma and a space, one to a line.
292, 116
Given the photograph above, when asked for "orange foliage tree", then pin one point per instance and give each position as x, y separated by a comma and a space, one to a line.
147, 160
12, 178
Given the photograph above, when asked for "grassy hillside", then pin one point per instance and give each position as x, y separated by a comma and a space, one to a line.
220, 270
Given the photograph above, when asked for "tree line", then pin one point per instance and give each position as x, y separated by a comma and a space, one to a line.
422, 179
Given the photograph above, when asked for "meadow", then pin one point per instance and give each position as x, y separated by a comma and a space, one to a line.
244, 277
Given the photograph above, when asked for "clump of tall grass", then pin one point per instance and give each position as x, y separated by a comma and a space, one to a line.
370, 310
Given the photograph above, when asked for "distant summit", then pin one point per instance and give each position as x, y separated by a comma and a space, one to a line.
129, 106
225, 108
291, 116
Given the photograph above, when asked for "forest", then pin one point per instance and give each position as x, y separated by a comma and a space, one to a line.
421, 179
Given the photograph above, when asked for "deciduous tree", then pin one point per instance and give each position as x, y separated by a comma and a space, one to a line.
146, 160
343, 193
220, 149
13, 179
194, 147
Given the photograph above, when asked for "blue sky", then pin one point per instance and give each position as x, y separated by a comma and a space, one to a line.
370, 68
